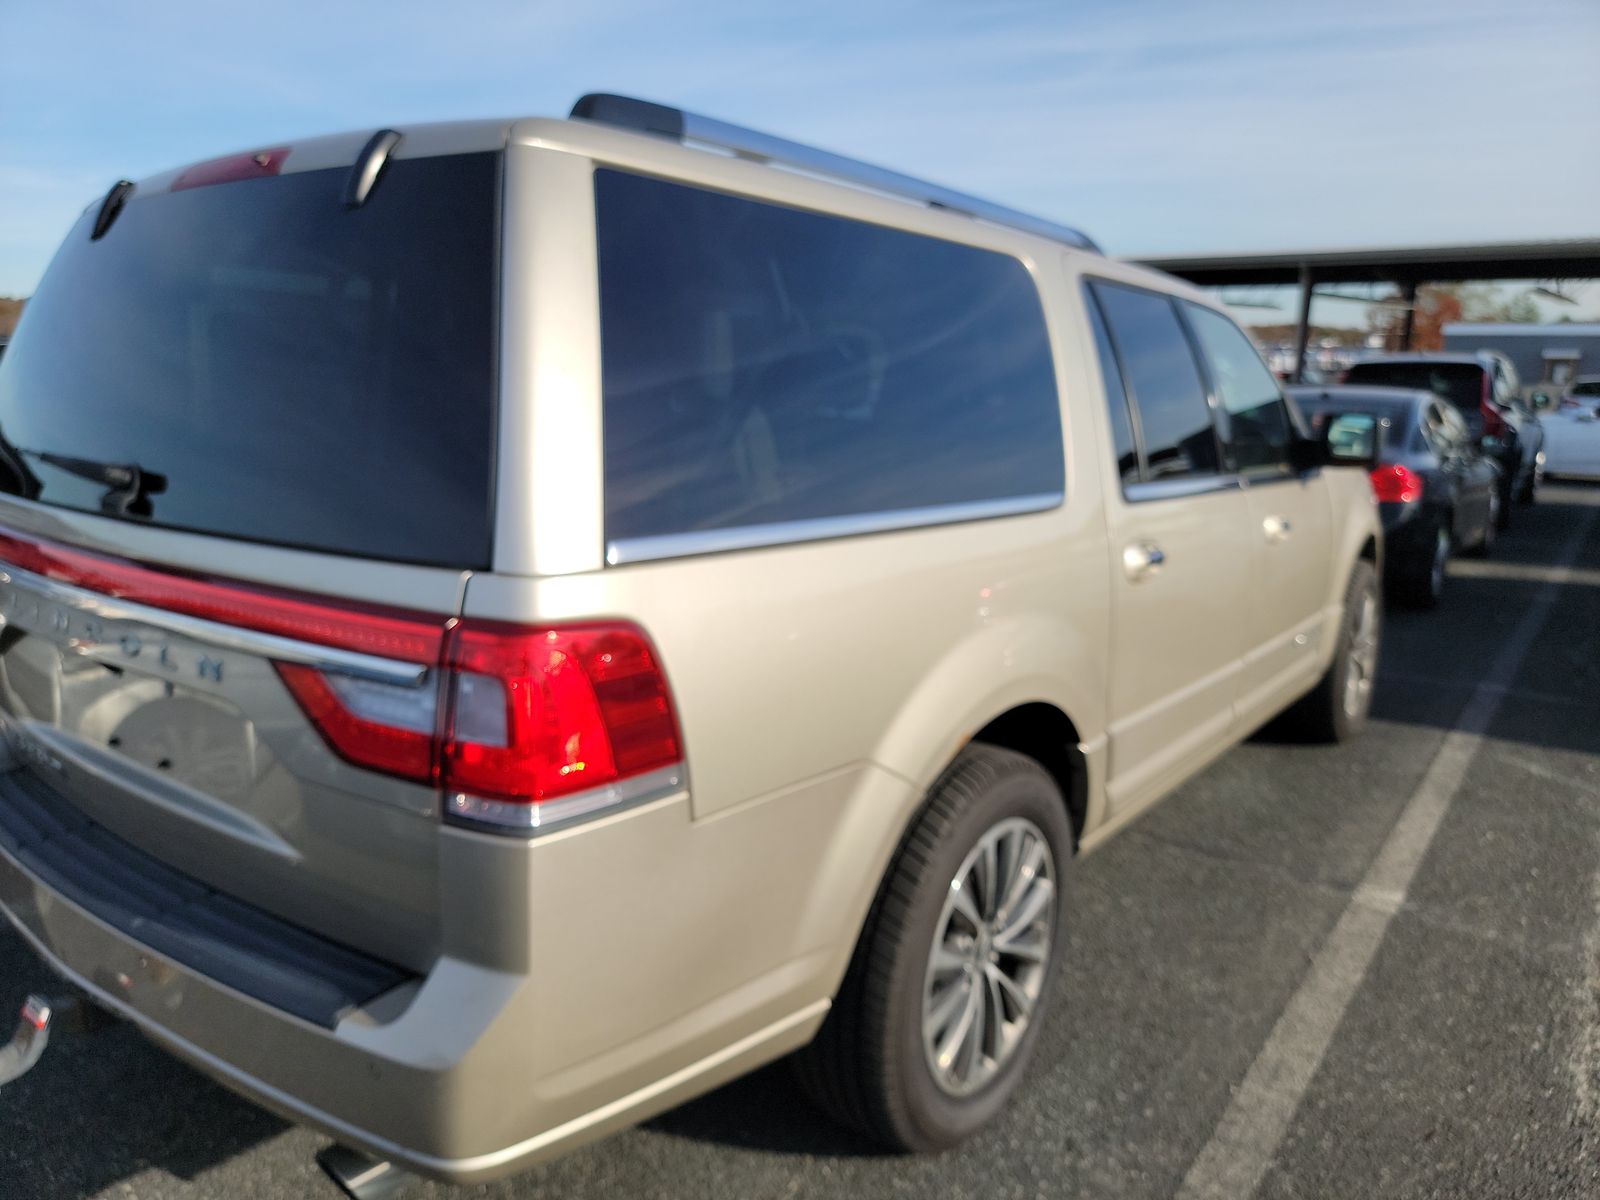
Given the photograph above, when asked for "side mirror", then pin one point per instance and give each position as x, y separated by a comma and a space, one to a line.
1352, 440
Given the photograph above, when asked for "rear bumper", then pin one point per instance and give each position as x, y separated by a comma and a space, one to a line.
310, 1074
470, 1073
1409, 534
356, 1083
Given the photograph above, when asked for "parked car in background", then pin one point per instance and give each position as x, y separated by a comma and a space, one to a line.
1585, 390
1572, 431
618, 611
1483, 388
1437, 491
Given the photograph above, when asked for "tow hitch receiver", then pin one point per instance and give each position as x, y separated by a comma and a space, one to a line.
26, 1045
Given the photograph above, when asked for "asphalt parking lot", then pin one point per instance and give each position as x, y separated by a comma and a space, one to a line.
1365, 971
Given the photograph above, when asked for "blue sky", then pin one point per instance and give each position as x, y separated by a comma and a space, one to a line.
1165, 125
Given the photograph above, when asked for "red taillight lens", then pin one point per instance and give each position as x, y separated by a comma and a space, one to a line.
356, 733
256, 165
537, 714
1396, 484
386, 632
531, 715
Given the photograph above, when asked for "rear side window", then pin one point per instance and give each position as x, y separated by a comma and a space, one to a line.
1258, 428
1459, 383
1397, 421
277, 367
761, 364
1159, 369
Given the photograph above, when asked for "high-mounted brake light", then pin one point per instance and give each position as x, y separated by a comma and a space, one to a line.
256, 164
1394, 483
521, 726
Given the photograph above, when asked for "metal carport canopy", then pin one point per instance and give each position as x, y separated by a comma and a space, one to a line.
1567, 258
1405, 267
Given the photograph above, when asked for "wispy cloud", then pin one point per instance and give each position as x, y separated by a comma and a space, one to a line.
1156, 124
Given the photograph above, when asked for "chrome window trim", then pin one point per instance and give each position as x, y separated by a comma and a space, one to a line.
1173, 489
199, 629
1288, 476
534, 820
622, 551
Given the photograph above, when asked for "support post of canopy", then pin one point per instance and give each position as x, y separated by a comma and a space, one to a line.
1408, 324
1302, 334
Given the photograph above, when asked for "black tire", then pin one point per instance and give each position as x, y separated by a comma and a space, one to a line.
1527, 493
1321, 715
1485, 544
1506, 496
867, 1066
1423, 588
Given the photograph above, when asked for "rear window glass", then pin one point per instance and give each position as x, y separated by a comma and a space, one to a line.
1459, 383
1396, 420
277, 367
762, 364
1589, 387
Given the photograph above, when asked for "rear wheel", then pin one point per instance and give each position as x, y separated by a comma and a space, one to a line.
1432, 590
1491, 522
1526, 494
940, 1010
1419, 583
1337, 708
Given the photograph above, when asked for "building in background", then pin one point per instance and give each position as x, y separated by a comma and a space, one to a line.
1554, 354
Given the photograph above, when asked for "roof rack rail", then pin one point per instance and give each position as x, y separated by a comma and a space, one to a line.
642, 115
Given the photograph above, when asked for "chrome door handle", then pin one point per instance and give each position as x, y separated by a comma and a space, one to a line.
1276, 528
1140, 560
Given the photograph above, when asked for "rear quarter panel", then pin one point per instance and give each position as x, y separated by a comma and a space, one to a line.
1355, 522
820, 686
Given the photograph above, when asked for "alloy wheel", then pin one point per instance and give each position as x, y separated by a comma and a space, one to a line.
1362, 667
1441, 556
991, 948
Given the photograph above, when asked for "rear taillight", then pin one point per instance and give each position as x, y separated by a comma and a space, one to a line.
1494, 425
520, 726
1393, 483
538, 714
538, 724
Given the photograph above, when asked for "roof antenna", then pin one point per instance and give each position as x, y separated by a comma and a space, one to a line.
110, 207
369, 164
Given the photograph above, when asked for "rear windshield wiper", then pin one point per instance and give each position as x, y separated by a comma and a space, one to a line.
15, 475
129, 485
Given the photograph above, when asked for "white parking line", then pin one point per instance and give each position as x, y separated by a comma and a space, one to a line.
1586, 999
1231, 1164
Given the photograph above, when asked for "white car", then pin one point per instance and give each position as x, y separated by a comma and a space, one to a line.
1572, 431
